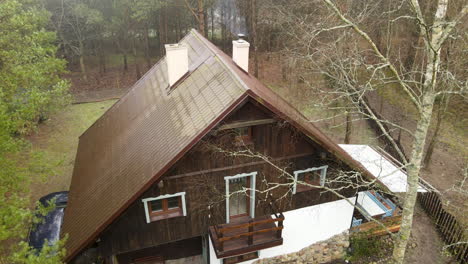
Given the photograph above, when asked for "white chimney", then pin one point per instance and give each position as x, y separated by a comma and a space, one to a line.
177, 62
240, 53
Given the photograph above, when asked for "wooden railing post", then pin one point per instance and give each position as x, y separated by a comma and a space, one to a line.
238, 232
220, 235
251, 232
280, 224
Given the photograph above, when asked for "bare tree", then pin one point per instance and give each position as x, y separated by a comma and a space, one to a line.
198, 14
77, 22
337, 42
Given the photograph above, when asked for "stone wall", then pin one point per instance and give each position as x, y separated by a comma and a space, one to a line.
320, 252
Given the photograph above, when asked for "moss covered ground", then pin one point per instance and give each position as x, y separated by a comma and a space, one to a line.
56, 142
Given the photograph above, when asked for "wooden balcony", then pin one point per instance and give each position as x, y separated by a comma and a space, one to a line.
247, 235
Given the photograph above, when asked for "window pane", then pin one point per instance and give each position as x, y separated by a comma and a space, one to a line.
173, 202
156, 205
300, 177
242, 131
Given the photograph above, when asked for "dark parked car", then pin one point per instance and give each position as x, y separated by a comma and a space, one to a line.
49, 226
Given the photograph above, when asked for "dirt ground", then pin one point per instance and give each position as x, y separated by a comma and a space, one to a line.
428, 243
111, 85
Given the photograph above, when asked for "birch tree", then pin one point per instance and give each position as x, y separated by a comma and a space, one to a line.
335, 40
198, 14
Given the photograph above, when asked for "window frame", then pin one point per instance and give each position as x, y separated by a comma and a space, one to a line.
241, 139
227, 180
323, 176
165, 213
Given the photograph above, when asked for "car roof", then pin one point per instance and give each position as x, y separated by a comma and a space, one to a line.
48, 229
60, 198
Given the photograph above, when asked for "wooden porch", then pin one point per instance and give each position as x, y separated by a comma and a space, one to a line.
246, 235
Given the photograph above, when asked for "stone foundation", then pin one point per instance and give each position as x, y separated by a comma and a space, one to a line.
320, 252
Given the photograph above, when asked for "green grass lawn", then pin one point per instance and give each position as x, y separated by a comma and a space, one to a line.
56, 141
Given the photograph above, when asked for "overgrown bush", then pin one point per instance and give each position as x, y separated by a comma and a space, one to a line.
363, 247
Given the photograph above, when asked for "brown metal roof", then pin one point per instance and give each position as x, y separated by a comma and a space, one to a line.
149, 129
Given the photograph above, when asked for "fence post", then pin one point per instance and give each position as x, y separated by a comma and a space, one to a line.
462, 255
451, 230
430, 209
445, 225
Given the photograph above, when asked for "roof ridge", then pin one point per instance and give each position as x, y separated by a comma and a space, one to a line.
223, 62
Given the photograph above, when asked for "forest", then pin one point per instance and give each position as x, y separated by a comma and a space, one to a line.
389, 73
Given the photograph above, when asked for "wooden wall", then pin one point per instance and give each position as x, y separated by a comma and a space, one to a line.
200, 173
174, 250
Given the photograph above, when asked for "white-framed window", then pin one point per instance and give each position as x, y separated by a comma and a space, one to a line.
164, 206
239, 203
314, 176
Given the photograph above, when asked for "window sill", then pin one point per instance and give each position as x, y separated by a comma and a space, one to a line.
158, 217
305, 188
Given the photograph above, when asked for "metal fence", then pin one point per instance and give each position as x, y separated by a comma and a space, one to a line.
453, 232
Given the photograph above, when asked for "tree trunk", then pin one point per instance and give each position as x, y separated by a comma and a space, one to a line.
160, 34
427, 104
432, 142
201, 18
254, 35
212, 24
206, 23
166, 34
177, 25
137, 64
223, 28
125, 68
347, 138
414, 169
147, 47
83, 68
102, 60
82, 64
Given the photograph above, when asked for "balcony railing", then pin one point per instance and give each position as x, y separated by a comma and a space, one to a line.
247, 235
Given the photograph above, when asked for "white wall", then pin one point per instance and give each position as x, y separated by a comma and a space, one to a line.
213, 259
306, 226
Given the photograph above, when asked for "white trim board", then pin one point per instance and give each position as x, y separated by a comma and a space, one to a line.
323, 175
164, 196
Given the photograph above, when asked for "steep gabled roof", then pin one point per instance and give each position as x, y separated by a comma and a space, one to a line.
142, 135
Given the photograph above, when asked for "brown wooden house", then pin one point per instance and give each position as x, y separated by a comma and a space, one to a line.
178, 167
